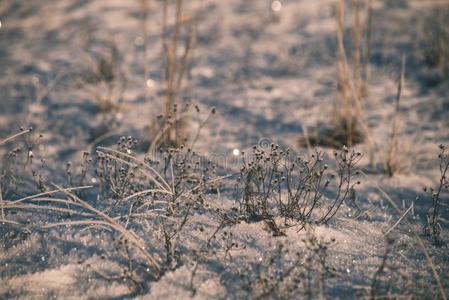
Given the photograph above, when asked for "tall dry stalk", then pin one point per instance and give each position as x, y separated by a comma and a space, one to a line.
346, 110
349, 123
175, 65
342, 64
392, 164
357, 48
145, 9
367, 53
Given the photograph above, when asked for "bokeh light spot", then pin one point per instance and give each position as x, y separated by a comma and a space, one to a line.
150, 83
276, 6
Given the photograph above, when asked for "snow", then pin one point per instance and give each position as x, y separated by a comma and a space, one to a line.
269, 69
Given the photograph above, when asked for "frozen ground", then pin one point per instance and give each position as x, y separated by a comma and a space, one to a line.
269, 75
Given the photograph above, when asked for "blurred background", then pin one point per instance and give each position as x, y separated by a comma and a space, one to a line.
299, 72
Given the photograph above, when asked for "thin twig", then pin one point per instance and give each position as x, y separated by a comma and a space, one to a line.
398, 221
15, 136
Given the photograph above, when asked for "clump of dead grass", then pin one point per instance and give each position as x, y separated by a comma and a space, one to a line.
347, 125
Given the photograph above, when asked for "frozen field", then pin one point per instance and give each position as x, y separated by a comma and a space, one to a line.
95, 205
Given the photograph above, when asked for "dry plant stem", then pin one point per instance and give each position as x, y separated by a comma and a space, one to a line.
357, 33
111, 222
173, 55
195, 139
342, 66
391, 164
398, 221
416, 236
172, 63
344, 187
366, 67
49, 208
51, 199
351, 105
15, 136
165, 130
350, 87
174, 67
13, 223
1, 204
380, 270
166, 59
169, 237
17, 204
145, 7
225, 220
184, 60
206, 183
101, 138
157, 138
154, 176
444, 167
58, 190
162, 187
192, 278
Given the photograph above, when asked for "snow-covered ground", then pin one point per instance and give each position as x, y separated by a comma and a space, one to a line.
269, 69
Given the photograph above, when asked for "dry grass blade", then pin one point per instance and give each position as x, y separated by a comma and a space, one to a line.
4, 221
51, 193
133, 166
206, 183
144, 192
162, 184
349, 109
391, 162
148, 203
148, 214
174, 69
15, 136
145, 9
367, 54
197, 135
81, 222
111, 222
348, 121
56, 200
398, 221
46, 207
1, 204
